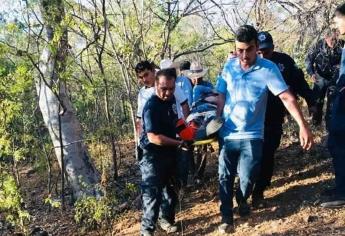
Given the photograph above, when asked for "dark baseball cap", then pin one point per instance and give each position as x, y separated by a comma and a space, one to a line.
185, 65
265, 40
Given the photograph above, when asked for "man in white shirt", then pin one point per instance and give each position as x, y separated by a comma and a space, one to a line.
145, 72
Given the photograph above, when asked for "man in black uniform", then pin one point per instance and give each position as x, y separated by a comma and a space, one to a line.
322, 64
275, 111
158, 165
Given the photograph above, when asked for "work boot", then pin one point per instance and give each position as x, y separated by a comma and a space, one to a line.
258, 200
243, 207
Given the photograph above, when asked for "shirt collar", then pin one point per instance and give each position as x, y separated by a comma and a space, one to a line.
254, 67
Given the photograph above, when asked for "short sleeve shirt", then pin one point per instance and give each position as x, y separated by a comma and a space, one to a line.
186, 86
246, 97
145, 93
159, 117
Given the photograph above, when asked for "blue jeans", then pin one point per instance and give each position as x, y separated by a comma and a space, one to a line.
336, 147
247, 154
159, 196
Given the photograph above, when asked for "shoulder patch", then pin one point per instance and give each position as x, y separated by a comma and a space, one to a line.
281, 67
174, 108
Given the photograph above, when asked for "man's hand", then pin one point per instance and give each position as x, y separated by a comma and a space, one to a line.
306, 138
313, 78
185, 145
291, 105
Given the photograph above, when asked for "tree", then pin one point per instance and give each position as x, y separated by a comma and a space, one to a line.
56, 107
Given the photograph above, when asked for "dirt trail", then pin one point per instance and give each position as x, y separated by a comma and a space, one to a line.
293, 201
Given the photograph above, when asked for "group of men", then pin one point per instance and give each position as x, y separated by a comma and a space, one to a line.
254, 90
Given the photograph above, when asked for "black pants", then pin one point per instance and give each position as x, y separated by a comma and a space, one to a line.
158, 190
272, 139
320, 90
184, 166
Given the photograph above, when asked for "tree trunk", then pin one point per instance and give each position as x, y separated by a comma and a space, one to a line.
81, 173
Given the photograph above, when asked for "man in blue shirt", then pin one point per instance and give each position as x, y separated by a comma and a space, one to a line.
336, 140
158, 164
242, 87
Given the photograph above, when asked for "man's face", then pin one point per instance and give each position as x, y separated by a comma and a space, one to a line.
331, 40
196, 81
165, 88
147, 77
266, 52
246, 52
340, 23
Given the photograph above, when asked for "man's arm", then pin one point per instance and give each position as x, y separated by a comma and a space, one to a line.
305, 135
220, 104
185, 109
221, 87
151, 117
138, 126
140, 109
162, 140
182, 99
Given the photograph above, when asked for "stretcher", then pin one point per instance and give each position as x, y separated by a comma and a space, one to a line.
205, 141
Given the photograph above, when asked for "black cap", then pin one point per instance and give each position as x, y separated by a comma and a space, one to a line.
185, 65
265, 40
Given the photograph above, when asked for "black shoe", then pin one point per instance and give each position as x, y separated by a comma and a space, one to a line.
243, 207
334, 202
258, 200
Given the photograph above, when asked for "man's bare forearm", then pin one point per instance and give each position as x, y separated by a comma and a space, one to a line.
138, 126
185, 110
291, 105
220, 104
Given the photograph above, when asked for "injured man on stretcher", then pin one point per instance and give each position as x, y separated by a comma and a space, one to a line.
202, 123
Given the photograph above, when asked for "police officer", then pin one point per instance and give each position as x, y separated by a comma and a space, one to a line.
158, 164
322, 64
276, 111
